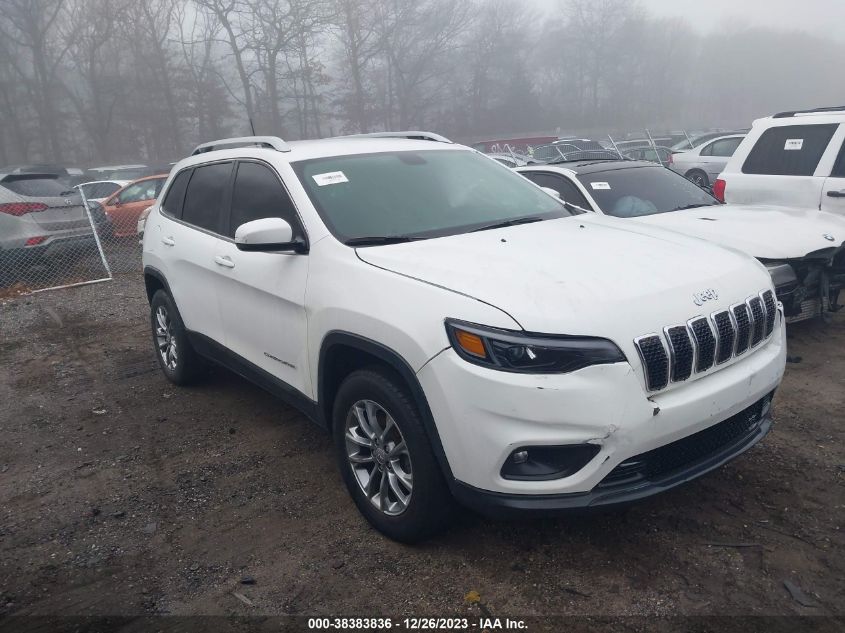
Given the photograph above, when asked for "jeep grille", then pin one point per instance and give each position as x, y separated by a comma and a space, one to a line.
704, 342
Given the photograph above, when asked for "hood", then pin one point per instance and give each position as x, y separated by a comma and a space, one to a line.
587, 275
764, 232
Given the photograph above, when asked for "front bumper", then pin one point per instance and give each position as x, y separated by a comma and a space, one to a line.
483, 416
640, 477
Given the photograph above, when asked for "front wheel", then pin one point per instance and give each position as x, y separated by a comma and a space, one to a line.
386, 458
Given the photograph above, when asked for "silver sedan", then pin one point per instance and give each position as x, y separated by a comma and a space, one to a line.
703, 164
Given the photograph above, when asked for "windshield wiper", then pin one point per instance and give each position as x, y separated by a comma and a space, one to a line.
693, 206
381, 240
574, 208
505, 224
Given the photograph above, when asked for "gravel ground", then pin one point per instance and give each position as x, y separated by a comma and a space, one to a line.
124, 495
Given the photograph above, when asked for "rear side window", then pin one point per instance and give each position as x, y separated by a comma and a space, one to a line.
722, 148
172, 204
205, 195
793, 150
259, 194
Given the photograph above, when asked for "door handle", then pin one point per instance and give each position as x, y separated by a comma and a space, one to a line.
168, 241
224, 261
836, 194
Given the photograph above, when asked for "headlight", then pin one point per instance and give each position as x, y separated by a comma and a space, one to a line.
783, 276
519, 352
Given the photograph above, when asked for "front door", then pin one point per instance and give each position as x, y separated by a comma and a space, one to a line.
262, 295
833, 192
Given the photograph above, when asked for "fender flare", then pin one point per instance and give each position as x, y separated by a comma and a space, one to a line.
150, 271
395, 361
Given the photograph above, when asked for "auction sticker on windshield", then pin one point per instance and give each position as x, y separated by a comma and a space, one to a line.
600, 186
331, 178
794, 144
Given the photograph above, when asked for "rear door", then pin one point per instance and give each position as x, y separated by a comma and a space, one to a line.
262, 295
833, 192
715, 156
187, 234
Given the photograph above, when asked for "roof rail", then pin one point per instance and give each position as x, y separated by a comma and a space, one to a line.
411, 135
269, 142
792, 113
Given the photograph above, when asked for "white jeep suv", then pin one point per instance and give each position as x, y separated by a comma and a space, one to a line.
458, 331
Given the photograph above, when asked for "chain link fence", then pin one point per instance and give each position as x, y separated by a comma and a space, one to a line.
52, 236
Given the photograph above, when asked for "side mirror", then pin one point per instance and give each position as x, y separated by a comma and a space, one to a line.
551, 192
269, 235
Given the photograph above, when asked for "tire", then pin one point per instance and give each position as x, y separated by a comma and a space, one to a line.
428, 505
176, 357
698, 177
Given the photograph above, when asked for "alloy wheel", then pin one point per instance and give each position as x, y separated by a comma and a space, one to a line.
165, 341
379, 457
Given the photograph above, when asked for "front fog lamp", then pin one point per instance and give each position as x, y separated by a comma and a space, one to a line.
519, 352
546, 463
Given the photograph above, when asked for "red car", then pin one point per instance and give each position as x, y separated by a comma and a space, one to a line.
126, 206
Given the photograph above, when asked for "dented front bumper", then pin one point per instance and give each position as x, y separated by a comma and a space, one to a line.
483, 416
811, 286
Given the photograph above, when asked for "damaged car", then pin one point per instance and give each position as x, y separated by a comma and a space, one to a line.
804, 250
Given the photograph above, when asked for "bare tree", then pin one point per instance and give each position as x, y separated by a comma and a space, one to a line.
229, 14
30, 26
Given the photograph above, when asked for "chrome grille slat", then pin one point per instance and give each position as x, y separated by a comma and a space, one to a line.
771, 307
655, 361
681, 352
705, 342
742, 322
725, 335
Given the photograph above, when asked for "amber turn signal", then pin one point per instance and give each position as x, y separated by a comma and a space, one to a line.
471, 343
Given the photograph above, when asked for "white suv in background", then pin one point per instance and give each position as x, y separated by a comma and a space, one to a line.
794, 159
459, 332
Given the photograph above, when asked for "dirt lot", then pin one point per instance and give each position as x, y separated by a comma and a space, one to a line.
122, 494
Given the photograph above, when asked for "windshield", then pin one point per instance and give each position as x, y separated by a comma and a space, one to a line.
639, 191
423, 194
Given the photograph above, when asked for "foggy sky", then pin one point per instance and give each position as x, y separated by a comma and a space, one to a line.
820, 17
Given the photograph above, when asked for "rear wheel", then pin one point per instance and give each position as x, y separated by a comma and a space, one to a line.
698, 177
176, 357
386, 459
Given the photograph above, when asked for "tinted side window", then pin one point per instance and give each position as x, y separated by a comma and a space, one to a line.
793, 150
205, 195
259, 194
172, 204
567, 189
839, 167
